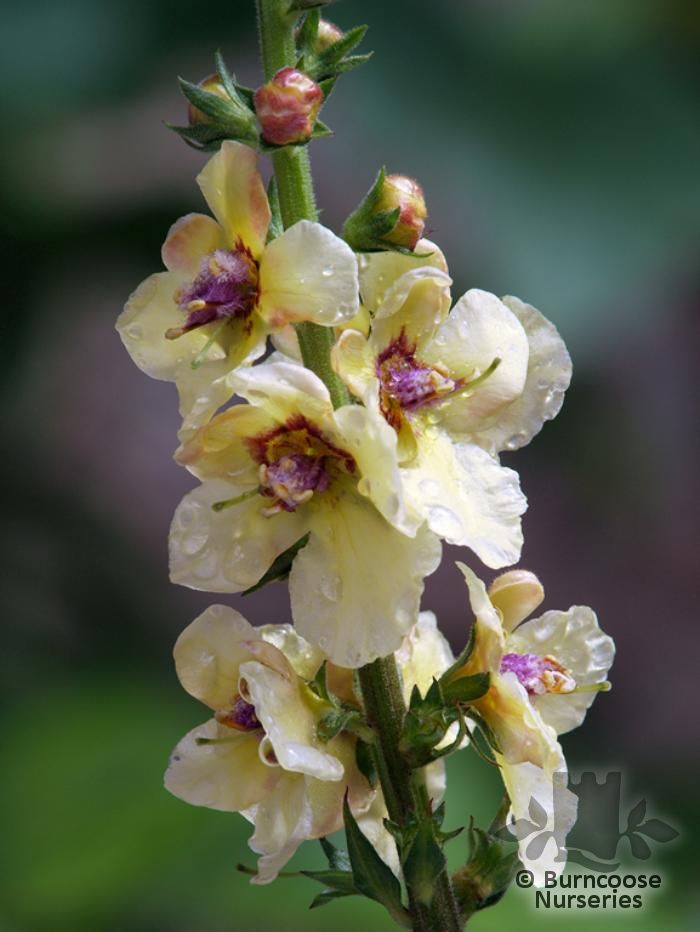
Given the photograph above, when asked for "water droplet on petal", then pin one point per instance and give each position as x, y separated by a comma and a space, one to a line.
194, 542
364, 486
134, 332
328, 271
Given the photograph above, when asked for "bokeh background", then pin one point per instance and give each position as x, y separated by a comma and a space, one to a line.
559, 148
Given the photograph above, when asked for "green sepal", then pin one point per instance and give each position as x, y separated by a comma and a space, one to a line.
326, 897
462, 658
319, 685
486, 730
276, 227
338, 860
306, 36
487, 874
302, 5
424, 862
281, 566
367, 226
364, 758
320, 129
343, 718
372, 877
466, 688
232, 118
426, 722
340, 880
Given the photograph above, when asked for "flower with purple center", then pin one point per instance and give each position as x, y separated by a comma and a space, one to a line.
457, 386
539, 675
241, 715
259, 753
544, 674
288, 466
227, 287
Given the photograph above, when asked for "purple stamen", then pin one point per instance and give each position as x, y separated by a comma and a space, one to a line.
240, 716
293, 478
406, 383
225, 287
539, 675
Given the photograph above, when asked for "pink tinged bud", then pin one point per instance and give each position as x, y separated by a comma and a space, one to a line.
406, 194
287, 107
212, 85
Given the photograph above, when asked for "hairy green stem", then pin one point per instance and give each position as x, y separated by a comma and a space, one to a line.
404, 790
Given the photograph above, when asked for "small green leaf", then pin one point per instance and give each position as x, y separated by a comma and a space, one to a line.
372, 877
467, 688
462, 658
424, 863
320, 130
364, 758
334, 879
307, 33
281, 567
327, 897
339, 49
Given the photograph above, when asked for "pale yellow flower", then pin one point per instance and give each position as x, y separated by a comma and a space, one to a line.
544, 675
286, 465
260, 754
457, 387
225, 288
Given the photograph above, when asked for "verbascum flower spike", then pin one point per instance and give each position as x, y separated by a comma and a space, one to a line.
287, 107
226, 287
544, 674
260, 754
287, 465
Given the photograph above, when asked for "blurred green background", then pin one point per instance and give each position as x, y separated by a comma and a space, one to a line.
559, 148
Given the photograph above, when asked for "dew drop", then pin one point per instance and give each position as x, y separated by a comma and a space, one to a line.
323, 643
134, 332
328, 272
364, 486
207, 566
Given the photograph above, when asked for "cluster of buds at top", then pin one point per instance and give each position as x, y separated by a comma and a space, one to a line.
391, 216
284, 111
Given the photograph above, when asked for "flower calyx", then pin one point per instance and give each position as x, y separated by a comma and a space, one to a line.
219, 109
324, 50
487, 874
391, 216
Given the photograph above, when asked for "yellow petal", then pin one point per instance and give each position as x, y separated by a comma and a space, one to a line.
234, 190
575, 640
229, 776
289, 723
379, 270
220, 451
284, 389
516, 594
190, 239
228, 550
467, 497
354, 361
209, 652
355, 588
308, 274
417, 304
424, 655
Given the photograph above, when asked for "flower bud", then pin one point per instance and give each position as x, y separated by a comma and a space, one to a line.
212, 85
405, 194
328, 34
287, 107
391, 216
